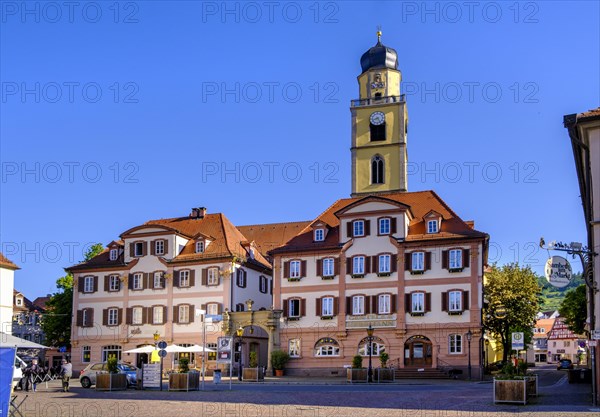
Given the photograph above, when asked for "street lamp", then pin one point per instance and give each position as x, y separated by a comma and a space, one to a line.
370, 348
156, 336
487, 357
469, 338
240, 333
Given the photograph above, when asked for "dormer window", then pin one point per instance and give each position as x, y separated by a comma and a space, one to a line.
19, 301
113, 254
159, 247
200, 246
358, 227
319, 235
138, 249
432, 226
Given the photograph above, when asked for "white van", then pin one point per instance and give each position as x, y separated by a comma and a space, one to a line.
20, 365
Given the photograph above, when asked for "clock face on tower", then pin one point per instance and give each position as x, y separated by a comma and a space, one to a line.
377, 118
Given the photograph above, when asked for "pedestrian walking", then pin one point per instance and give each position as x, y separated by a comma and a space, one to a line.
66, 371
31, 374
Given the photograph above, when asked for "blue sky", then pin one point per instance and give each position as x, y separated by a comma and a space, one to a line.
112, 115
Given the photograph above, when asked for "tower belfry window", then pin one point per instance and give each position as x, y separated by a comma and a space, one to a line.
377, 170
377, 131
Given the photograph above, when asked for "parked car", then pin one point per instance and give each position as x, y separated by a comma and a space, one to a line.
564, 364
87, 377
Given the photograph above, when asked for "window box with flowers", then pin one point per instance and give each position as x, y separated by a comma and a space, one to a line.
417, 314
294, 279
357, 275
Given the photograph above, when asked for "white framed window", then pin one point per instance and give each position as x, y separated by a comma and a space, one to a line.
88, 284
455, 301
157, 315
241, 278
384, 226
328, 267
136, 315
113, 317
159, 247
212, 276
138, 249
358, 265
417, 302
114, 283
295, 269
418, 261
113, 351
384, 304
20, 301
212, 309
327, 346
263, 284
455, 259
184, 278
455, 343
358, 228
86, 354
184, 313
113, 254
200, 246
294, 348
327, 306
358, 305
319, 235
157, 280
138, 281
385, 264
377, 347
294, 307
432, 226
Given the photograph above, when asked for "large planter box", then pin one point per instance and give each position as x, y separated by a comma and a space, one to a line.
111, 382
189, 381
253, 374
515, 390
357, 375
384, 375
582, 376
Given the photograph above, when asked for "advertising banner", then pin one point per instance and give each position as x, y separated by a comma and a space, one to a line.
7, 364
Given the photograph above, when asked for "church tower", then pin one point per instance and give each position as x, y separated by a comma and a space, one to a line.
379, 125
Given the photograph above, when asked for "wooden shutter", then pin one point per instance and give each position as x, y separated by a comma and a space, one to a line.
367, 264
367, 304
394, 263
105, 317
176, 314
129, 315
349, 262
245, 278
286, 269
349, 229
407, 261
427, 301
445, 301
145, 280
286, 308
166, 250
153, 247
80, 284
132, 250
175, 278
367, 227
393, 226
336, 302
90, 317
271, 286
79, 321
375, 263
427, 260
130, 282
375, 303
393, 303
192, 313
205, 276
465, 301
336, 266
408, 302
192, 277
302, 307
219, 308
163, 280
349, 306
302, 268
145, 315
318, 310
106, 283
320, 267
144, 248
95, 278
445, 259
466, 258
119, 316
164, 317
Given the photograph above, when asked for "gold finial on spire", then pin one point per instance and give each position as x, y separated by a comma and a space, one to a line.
378, 33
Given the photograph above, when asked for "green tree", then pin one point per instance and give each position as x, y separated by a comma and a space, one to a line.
59, 309
574, 309
511, 302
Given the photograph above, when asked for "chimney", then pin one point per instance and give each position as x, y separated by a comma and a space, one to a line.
194, 213
198, 212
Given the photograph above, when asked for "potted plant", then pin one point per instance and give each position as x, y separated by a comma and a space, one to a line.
184, 380
357, 373
253, 372
514, 385
112, 380
278, 360
384, 374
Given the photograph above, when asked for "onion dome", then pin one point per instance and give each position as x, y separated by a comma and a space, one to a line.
379, 56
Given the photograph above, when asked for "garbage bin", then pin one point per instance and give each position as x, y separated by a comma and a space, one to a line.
217, 376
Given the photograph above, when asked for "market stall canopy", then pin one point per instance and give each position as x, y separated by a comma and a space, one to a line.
8, 340
143, 349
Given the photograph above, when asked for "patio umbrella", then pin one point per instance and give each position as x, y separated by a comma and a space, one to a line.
176, 349
143, 349
198, 348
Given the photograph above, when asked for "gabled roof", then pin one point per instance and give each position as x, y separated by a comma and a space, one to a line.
418, 203
545, 324
270, 236
7, 263
27, 304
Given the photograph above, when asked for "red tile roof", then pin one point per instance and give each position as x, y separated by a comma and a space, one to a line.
7, 263
594, 113
273, 235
